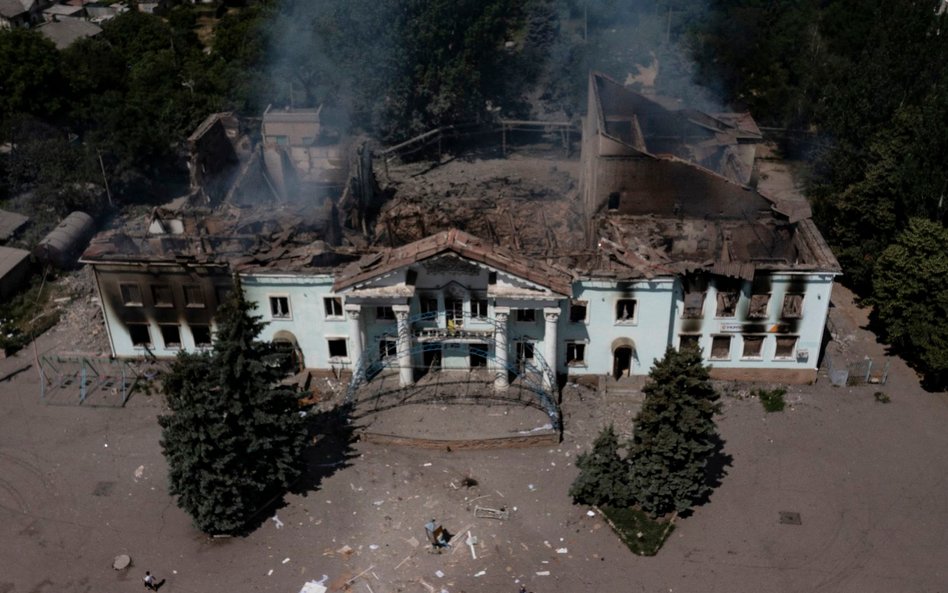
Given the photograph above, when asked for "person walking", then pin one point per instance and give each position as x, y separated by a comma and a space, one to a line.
150, 581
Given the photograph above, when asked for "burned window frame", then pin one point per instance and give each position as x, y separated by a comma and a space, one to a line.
384, 313
693, 312
721, 310
330, 306
428, 306
633, 319
526, 315
579, 347
760, 340
337, 340
576, 304
520, 349
271, 299
787, 297
754, 306
127, 297
715, 338
150, 343
172, 344
194, 336
794, 340
190, 303
683, 339
156, 296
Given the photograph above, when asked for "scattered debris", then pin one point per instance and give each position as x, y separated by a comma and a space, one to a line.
543, 573
285, 560
488, 513
439, 574
471, 541
480, 574
562, 551
277, 522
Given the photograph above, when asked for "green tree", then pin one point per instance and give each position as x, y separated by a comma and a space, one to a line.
603, 475
911, 297
675, 434
234, 436
30, 75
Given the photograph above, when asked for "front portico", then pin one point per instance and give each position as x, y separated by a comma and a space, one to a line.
452, 303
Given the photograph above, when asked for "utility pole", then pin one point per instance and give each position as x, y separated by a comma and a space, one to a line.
108, 192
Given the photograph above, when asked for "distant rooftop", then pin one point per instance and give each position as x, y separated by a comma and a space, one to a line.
65, 32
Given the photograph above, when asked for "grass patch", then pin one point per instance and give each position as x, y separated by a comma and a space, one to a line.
772, 399
642, 534
881, 397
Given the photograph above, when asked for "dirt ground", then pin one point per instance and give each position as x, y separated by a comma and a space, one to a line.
80, 485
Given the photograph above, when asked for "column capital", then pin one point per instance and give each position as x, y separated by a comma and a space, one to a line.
551, 313
401, 312
353, 311
501, 313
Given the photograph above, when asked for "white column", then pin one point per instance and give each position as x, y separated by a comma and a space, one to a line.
406, 374
501, 314
552, 316
355, 335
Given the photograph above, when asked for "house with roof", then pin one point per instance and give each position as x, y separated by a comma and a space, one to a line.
676, 247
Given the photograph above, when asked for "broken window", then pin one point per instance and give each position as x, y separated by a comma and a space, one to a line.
170, 335
333, 307
492, 278
792, 306
721, 347
758, 306
193, 296
625, 310
454, 311
694, 305
385, 313
524, 351
527, 315
478, 307
727, 304
131, 295
688, 341
201, 335
785, 346
139, 334
577, 312
575, 353
388, 348
337, 348
614, 201
162, 296
753, 346
280, 307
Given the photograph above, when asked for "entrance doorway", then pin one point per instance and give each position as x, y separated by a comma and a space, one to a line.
431, 357
622, 362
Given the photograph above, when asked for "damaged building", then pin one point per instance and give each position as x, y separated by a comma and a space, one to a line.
657, 236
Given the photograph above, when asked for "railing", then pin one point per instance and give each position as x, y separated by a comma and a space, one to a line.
452, 333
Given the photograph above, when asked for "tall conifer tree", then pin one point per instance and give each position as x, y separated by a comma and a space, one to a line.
675, 434
234, 436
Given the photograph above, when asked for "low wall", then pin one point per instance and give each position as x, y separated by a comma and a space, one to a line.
790, 376
539, 439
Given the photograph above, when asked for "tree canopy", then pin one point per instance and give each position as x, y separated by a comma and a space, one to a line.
234, 436
675, 434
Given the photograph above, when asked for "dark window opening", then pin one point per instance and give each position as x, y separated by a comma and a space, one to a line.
727, 304
478, 307
694, 305
411, 277
162, 295
785, 346
170, 335
753, 346
614, 200
385, 313
524, 351
758, 306
688, 341
527, 315
429, 306
478, 356
792, 306
332, 306
575, 353
625, 310
279, 307
193, 296
338, 348
577, 312
131, 295
201, 335
454, 311
139, 334
431, 356
492, 278
721, 347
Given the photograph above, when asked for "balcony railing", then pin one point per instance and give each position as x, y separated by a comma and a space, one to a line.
459, 333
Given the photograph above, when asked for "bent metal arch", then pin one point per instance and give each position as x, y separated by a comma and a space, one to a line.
459, 334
